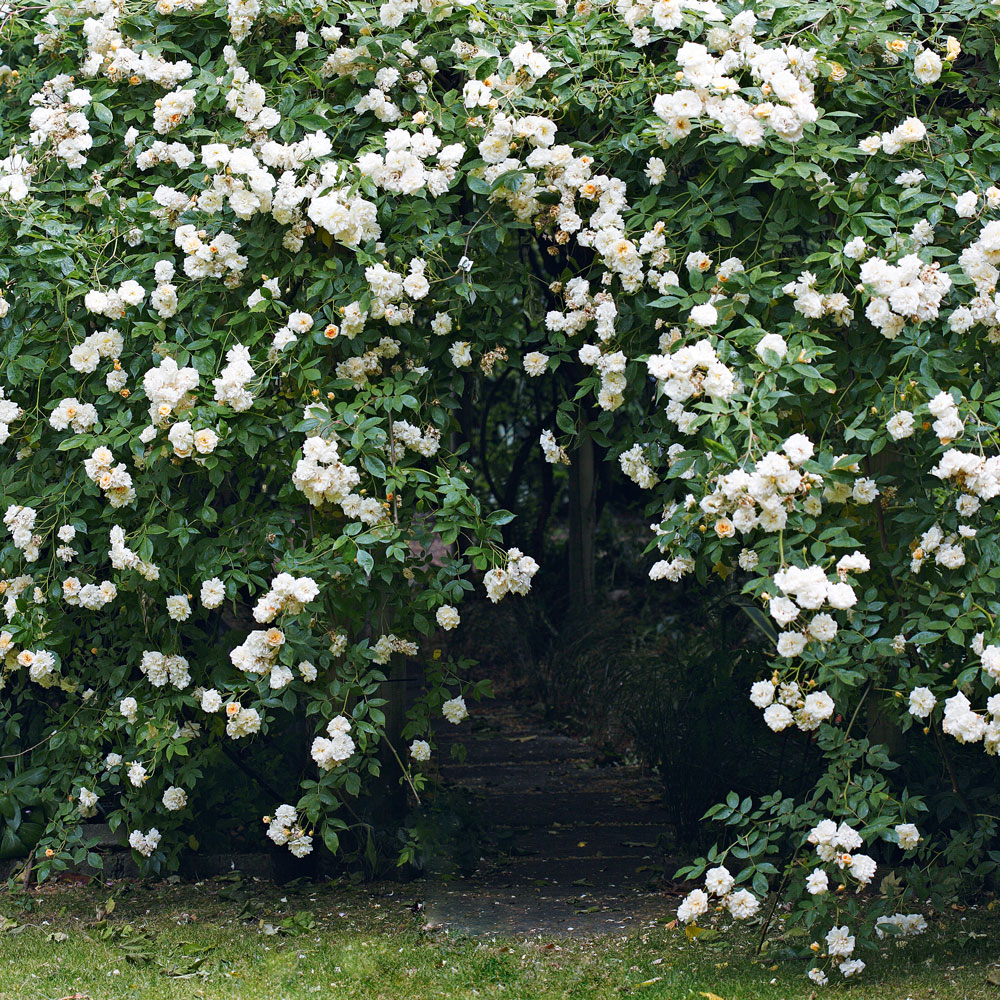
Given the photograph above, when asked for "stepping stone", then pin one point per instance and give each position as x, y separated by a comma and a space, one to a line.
581, 844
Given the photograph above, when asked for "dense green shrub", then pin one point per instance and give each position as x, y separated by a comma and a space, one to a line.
257, 258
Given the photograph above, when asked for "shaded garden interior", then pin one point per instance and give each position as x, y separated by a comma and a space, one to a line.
595, 656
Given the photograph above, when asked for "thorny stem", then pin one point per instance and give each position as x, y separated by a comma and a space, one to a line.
402, 768
774, 901
857, 708
392, 459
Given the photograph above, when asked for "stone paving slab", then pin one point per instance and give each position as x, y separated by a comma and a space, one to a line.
582, 845
537, 775
543, 807
501, 751
578, 838
469, 907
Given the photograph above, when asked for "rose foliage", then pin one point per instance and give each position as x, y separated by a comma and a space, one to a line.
256, 256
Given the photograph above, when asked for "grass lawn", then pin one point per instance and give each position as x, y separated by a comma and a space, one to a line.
238, 939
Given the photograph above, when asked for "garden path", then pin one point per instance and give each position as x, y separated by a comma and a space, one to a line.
579, 845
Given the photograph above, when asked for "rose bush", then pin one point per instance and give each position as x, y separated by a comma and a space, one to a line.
258, 256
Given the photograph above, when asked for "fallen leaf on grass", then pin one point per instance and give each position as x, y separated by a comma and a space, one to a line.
993, 976
693, 932
710, 995
647, 982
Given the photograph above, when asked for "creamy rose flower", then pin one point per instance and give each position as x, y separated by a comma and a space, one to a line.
178, 607
454, 710
447, 617
174, 798
213, 592
205, 441
536, 363
922, 702
693, 906
927, 66
771, 342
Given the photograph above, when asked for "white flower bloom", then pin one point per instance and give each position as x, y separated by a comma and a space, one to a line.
817, 883
144, 843
839, 941
900, 425
447, 617
178, 607
174, 798
855, 249
762, 693
211, 700
693, 906
454, 710
927, 66
791, 644
965, 204
778, 717
798, 448
213, 593
851, 967
718, 881
536, 363
922, 702
862, 868
461, 354
742, 904
771, 342
87, 801
704, 315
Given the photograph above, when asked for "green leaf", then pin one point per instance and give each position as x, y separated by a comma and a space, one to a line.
721, 448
